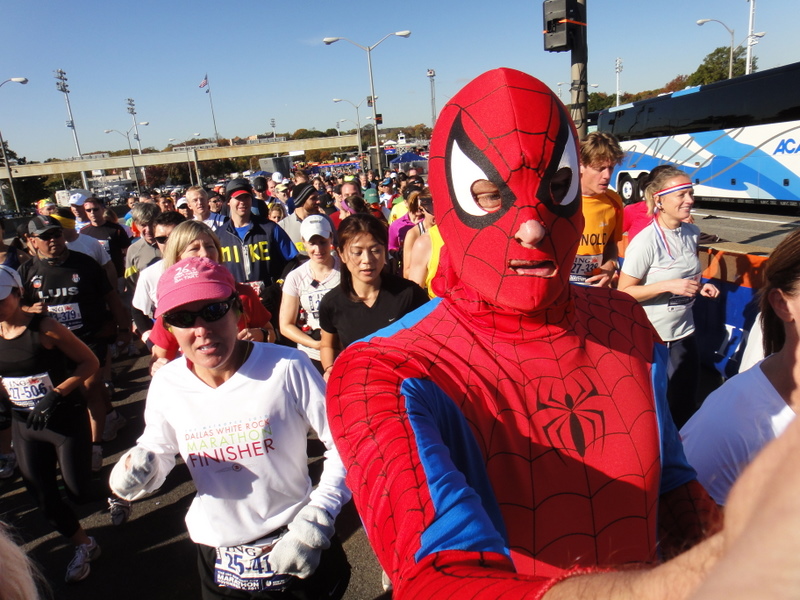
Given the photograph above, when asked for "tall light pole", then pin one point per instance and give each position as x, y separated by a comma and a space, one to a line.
560, 83
132, 111
358, 118
748, 61
23, 81
368, 49
127, 136
730, 58
188, 158
61, 86
432, 76
618, 70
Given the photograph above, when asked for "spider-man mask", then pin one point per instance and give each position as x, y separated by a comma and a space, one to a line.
509, 133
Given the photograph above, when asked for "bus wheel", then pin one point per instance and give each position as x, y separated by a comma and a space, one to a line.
627, 189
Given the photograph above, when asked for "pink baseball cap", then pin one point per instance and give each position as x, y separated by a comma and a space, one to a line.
190, 280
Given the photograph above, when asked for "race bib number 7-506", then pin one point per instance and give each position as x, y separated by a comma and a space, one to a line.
25, 392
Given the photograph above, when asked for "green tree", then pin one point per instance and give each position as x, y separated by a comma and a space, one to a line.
304, 134
676, 84
599, 101
156, 175
27, 189
715, 66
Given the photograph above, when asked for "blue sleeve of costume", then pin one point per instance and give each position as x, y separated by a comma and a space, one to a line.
675, 469
466, 514
284, 243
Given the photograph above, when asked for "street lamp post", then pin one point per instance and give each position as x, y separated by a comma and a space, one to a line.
730, 58
23, 81
188, 159
748, 64
368, 49
127, 136
358, 118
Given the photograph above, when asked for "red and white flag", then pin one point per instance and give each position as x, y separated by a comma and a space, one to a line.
204, 83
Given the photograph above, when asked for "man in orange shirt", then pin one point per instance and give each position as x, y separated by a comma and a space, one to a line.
596, 261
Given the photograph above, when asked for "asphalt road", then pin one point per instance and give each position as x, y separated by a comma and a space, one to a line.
151, 555
760, 230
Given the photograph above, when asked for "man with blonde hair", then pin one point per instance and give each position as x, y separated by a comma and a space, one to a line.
197, 198
596, 261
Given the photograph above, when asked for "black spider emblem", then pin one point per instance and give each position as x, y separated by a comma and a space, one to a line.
576, 424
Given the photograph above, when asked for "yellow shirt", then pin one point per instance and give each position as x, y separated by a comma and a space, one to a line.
437, 243
603, 225
398, 210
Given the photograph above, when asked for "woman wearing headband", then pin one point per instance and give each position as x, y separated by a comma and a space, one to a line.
662, 271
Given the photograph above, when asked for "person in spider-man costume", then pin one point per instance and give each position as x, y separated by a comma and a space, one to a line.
514, 433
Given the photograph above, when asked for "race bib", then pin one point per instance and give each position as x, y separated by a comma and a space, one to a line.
25, 392
69, 315
676, 303
247, 568
583, 267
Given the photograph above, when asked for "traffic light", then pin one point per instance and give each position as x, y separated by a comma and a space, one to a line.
563, 21
369, 100
379, 119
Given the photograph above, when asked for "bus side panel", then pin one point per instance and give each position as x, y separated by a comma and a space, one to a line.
758, 164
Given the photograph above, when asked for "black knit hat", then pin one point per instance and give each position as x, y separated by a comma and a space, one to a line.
302, 192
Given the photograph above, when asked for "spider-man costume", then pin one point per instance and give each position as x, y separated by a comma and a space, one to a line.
511, 434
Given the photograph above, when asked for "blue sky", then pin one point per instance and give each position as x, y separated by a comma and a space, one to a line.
265, 59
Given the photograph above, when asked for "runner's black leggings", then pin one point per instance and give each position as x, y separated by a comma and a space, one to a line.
66, 442
683, 375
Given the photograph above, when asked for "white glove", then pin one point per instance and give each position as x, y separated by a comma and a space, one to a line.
298, 551
132, 473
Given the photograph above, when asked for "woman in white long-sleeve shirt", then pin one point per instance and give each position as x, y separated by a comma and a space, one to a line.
239, 413
752, 408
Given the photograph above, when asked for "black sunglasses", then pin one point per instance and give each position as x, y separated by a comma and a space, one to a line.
161, 239
93, 209
53, 234
183, 319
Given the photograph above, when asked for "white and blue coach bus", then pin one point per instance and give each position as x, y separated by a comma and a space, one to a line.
738, 139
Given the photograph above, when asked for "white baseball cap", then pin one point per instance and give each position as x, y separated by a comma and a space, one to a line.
78, 197
315, 225
9, 279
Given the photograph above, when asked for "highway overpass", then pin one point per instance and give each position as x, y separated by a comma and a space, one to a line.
178, 156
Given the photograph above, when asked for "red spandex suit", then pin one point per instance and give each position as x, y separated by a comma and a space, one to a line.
514, 432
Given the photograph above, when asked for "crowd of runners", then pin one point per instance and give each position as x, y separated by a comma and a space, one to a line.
496, 354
